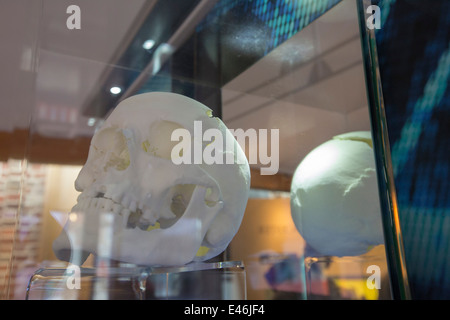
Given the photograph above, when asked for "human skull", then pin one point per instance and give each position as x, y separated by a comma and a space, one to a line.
164, 214
334, 196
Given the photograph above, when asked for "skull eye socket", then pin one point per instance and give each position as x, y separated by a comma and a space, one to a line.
111, 145
159, 142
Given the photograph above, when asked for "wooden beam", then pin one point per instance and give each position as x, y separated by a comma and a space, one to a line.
279, 181
20, 144
13, 144
36, 148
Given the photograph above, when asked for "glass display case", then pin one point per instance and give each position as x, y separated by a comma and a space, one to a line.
116, 176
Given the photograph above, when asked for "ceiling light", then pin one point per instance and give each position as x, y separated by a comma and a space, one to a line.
91, 122
148, 44
115, 90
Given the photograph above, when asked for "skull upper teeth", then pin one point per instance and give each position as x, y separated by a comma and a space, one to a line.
132, 213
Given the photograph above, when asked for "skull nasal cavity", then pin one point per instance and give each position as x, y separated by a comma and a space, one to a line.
158, 142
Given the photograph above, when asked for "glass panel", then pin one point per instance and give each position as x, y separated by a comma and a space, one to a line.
412, 115
391, 223
310, 89
100, 187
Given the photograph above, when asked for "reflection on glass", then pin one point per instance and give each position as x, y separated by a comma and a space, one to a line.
312, 88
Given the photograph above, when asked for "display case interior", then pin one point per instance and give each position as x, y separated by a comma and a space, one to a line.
288, 76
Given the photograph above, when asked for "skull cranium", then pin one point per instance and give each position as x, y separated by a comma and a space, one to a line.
164, 214
334, 196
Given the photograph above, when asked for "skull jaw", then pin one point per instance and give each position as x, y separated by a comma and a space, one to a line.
176, 245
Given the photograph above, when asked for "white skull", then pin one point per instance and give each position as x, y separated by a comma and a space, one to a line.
334, 196
165, 214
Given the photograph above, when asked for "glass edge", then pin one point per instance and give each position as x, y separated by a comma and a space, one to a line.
395, 255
